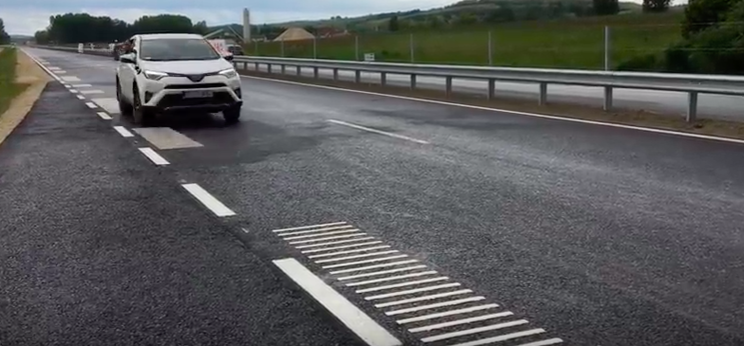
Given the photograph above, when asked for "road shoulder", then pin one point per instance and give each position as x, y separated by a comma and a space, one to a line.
32, 79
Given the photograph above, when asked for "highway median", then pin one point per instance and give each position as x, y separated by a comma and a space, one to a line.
21, 84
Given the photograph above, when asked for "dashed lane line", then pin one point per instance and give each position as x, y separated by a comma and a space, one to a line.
123, 131
82, 85
81, 97
208, 200
431, 306
389, 134
104, 115
70, 78
153, 156
90, 105
87, 92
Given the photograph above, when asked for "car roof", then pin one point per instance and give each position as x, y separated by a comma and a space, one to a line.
169, 36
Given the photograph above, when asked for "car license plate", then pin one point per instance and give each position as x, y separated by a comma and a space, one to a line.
197, 94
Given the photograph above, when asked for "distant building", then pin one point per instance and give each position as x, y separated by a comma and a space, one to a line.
325, 32
294, 34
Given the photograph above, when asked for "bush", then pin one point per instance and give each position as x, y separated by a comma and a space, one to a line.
642, 63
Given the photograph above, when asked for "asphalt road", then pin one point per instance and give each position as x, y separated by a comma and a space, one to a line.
598, 235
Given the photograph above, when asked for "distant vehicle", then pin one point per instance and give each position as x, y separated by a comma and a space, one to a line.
235, 49
166, 73
119, 49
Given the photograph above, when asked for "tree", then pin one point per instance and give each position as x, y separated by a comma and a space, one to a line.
4, 37
605, 7
656, 5
701, 14
393, 24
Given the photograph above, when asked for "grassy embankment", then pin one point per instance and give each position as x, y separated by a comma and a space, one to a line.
565, 43
9, 89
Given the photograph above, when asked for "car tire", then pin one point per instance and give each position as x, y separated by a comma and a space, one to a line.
124, 107
231, 115
142, 116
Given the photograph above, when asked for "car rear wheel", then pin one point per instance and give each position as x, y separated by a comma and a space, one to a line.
231, 115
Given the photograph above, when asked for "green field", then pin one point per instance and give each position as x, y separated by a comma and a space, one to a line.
8, 88
565, 43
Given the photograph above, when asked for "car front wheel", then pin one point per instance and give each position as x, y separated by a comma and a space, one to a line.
231, 115
142, 116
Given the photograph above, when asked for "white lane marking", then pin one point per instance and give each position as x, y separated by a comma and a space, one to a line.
488, 109
382, 272
327, 233
153, 156
82, 85
347, 264
412, 291
81, 97
90, 105
329, 260
110, 104
328, 238
70, 78
342, 246
402, 284
123, 131
424, 298
505, 337
104, 115
331, 254
66, 85
325, 229
544, 342
60, 72
474, 330
351, 316
452, 312
74, 91
53, 68
390, 278
334, 243
165, 138
391, 264
308, 227
363, 128
91, 92
459, 322
208, 200
435, 305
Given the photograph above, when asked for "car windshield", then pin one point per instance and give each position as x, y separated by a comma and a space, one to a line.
177, 49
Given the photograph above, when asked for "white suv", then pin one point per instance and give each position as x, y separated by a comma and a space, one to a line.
166, 73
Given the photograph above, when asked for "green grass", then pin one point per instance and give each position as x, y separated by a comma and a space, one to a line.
8, 88
565, 43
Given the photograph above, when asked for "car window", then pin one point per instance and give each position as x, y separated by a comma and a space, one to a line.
176, 49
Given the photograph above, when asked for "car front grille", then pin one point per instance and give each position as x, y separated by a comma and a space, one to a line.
195, 86
172, 100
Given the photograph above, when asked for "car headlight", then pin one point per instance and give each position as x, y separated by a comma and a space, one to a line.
229, 73
154, 75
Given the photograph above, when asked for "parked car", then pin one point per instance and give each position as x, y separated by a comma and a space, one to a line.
235, 49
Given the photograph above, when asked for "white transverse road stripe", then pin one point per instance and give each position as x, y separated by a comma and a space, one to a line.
382, 272
153, 156
402, 284
91, 105
104, 116
458, 322
81, 97
391, 264
450, 313
327, 238
325, 229
343, 246
123, 131
544, 342
502, 337
332, 254
353, 318
390, 278
74, 91
474, 330
415, 290
82, 85
338, 122
435, 305
208, 200
383, 259
334, 243
424, 298
346, 258
308, 227
323, 234
91, 91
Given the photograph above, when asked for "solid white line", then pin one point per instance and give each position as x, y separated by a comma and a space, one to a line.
535, 115
420, 299
82, 85
402, 284
208, 200
435, 305
73, 91
315, 230
330, 260
373, 260
390, 278
153, 156
334, 243
452, 312
91, 91
308, 227
123, 131
474, 330
389, 271
90, 105
327, 238
544, 342
342, 246
351, 316
104, 116
377, 131
391, 264
411, 291
502, 337
323, 234
331, 254
459, 322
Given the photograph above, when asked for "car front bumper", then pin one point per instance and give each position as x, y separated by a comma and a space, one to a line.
170, 96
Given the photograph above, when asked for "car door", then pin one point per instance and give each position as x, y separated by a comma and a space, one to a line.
127, 71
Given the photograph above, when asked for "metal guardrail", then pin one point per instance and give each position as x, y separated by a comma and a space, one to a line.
691, 84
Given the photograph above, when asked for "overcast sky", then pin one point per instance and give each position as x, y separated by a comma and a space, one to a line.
24, 17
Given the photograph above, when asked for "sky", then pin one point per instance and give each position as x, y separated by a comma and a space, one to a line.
24, 17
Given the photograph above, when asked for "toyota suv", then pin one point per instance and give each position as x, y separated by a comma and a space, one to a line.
171, 73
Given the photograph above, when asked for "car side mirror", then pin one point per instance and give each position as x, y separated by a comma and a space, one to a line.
127, 58
229, 57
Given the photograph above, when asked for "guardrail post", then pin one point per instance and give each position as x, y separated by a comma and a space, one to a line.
358, 76
607, 99
335, 74
383, 78
315, 72
268, 67
284, 68
491, 88
543, 94
448, 86
257, 67
692, 100
413, 81
245, 65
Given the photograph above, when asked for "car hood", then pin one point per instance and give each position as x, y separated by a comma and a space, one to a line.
187, 66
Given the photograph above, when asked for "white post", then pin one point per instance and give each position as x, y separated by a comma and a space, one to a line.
607, 48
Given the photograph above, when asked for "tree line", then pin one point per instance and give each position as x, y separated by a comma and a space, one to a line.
4, 37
